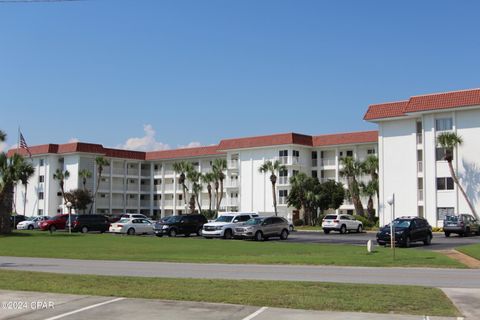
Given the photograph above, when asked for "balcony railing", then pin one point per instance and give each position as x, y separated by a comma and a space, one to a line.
118, 171
168, 187
146, 172
169, 172
328, 161
168, 203
314, 162
145, 203
232, 202
420, 166
103, 202
420, 195
233, 164
283, 180
322, 180
232, 183
419, 138
283, 160
282, 200
145, 188
132, 187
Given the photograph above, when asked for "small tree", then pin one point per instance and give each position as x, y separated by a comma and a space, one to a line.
332, 195
101, 163
85, 174
303, 195
61, 176
370, 189
26, 172
449, 141
181, 168
9, 175
351, 170
79, 198
273, 168
194, 177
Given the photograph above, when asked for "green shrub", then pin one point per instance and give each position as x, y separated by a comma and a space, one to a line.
437, 229
209, 214
367, 223
298, 222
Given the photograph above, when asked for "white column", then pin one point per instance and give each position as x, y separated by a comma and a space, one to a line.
110, 196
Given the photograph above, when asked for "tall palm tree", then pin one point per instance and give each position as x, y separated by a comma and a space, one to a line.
26, 172
218, 168
61, 176
370, 167
101, 163
351, 170
194, 177
273, 168
9, 175
370, 189
181, 168
208, 178
85, 174
449, 141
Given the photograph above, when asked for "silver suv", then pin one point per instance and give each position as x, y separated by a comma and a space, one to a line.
462, 224
262, 228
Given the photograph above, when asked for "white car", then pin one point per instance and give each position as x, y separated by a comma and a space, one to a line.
224, 225
132, 226
31, 223
341, 223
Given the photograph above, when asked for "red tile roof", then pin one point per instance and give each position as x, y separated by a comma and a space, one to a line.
264, 141
345, 138
430, 102
183, 153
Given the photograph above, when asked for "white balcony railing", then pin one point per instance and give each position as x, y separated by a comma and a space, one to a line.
145, 203
328, 161
103, 203
168, 187
314, 162
145, 187
146, 172
232, 202
118, 171
282, 200
283, 160
232, 164
168, 203
420, 166
419, 138
232, 183
169, 172
283, 180
295, 160
420, 195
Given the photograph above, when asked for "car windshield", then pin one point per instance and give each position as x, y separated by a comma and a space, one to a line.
58, 217
451, 218
166, 219
330, 217
224, 219
401, 223
124, 220
174, 219
31, 218
254, 221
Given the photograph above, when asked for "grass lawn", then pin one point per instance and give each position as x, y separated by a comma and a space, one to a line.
138, 248
283, 294
472, 250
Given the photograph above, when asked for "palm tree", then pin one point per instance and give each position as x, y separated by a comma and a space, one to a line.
194, 177
181, 168
101, 163
3, 136
84, 174
26, 172
370, 189
9, 175
351, 170
370, 167
449, 141
218, 167
272, 167
208, 178
61, 176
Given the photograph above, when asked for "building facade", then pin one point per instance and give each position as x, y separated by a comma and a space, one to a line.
411, 164
145, 182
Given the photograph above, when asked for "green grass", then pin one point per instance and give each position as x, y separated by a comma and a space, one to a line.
472, 250
137, 248
282, 294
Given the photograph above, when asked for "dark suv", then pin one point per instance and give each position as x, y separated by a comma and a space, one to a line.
184, 224
462, 224
407, 230
16, 219
89, 222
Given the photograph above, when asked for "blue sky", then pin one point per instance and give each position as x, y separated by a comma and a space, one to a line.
196, 71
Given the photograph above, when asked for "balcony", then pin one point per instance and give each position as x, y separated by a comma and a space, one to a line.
419, 138
282, 200
283, 160
132, 187
103, 203
145, 203
323, 180
232, 164
145, 188
232, 202
168, 188
133, 172
145, 172
295, 160
120, 171
168, 203
169, 172
282, 180
314, 162
420, 195
328, 162
420, 166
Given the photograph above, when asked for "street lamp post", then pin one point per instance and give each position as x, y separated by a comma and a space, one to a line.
391, 202
69, 206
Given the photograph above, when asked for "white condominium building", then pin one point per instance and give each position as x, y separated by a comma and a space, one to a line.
411, 162
145, 182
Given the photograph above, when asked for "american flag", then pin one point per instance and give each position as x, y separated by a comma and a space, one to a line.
23, 144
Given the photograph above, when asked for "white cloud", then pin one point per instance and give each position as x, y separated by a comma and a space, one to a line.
193, 144
3, 147
72, 140
145, 143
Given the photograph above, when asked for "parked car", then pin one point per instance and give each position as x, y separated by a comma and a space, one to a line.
16, 219
90, 222
58, 222
132, 226
407, 230
341, 223
462, 224
224, 225
31, 223
183, 224
262, 228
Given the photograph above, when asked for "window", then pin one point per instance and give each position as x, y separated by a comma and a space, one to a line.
419, 127
142, 197
349, 153
294, 172
155, 167
40, 196
445, 183
41, 179
156, 182
296, 153
371, 151
40, 212
103, 195
59, 194
444, 124
180, 197
444, 211
283, 173
282, 193
131, 196
340, 154
314, 155
314, 174
441, 152
283, 153
42, 162
132, 181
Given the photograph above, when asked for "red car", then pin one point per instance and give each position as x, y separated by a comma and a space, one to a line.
57, 222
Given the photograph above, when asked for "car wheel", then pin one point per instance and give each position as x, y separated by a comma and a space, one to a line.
52, 229
359, 229
259, 236
30, 227
326, 231
199, 232
290, 228
131, 232
159, 235
187, 235
343, 229
284, 235
84, 229
447, 234
428, 240
227, 234
407, 242
172, 233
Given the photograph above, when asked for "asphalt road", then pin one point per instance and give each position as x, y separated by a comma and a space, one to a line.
434, 277
49, 306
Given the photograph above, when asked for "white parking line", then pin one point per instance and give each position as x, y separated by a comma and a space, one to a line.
256, 313
83, 309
